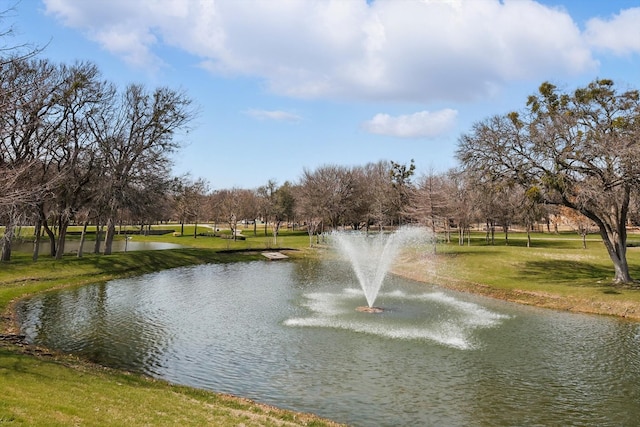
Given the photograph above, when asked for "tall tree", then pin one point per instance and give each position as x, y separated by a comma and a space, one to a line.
580, 150
230, 206
27, 102
189, 198
429, 201
329, 190
463, 203
266, 201
283, 208
401, 183
136, 137
73, 154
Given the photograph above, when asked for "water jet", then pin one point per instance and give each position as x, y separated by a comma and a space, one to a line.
372, 254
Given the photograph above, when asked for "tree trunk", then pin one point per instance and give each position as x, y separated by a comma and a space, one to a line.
6, 242
82, 237
62, 236
36, 242
52, 239
96, 247
235, 230
448, 230
276, 228
488, 232
108, 240
617, 249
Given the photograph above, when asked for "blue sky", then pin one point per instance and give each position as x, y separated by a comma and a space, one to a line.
284, 85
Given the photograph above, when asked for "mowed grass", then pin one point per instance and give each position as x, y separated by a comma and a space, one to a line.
554, 272
49, 391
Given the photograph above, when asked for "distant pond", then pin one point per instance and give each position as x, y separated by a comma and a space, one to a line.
287, 333
72, 246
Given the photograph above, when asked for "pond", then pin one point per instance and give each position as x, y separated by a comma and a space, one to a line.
72, 246
287, 334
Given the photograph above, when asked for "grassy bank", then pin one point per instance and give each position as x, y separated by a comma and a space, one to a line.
58, 391
555, 272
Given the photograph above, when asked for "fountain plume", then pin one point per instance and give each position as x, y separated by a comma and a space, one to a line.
372, 254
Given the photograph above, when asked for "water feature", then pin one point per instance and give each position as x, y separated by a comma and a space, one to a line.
372, 254
72, 246
286, 334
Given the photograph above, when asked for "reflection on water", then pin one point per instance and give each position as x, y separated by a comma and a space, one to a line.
287, 333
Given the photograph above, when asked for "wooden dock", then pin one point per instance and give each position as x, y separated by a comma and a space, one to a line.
274, 255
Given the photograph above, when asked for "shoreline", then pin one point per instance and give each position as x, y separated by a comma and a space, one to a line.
628, 310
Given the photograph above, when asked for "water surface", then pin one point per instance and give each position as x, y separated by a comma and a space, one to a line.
287, 334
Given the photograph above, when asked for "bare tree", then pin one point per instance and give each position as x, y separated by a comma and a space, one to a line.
266, 201
231, 205
136, 137
27, 100
463, 203
189, 198
308, 206
376, 190
579, 150
429, 201
248, 207
73, 152
329, 189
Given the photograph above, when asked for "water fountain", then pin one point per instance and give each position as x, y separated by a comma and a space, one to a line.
372, 254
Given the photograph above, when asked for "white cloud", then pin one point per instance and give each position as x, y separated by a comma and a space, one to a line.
273, 115
382, 50
620, 34
423, 124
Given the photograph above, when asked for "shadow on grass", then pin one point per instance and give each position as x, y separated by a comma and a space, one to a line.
566, 272
521, 242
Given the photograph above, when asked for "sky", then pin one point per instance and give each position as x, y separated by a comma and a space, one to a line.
287, 85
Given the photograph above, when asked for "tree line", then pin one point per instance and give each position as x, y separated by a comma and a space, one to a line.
74, 147
571, 157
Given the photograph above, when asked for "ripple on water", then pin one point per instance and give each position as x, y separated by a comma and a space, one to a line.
432, 316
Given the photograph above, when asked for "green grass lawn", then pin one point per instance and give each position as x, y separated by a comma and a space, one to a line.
554, 272
57, 391
42, 389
